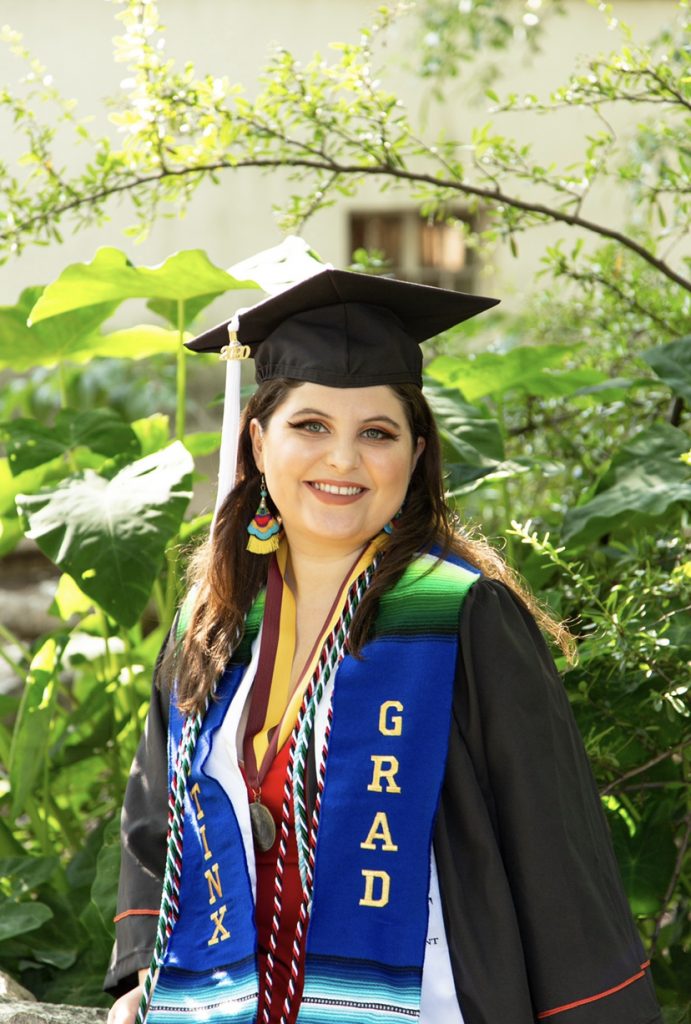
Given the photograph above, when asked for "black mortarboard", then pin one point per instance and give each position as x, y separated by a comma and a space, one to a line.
335, 328
344, 329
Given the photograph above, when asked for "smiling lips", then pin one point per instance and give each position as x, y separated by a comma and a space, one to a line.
336, 493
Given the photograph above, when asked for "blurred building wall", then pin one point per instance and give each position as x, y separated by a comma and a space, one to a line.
232, 37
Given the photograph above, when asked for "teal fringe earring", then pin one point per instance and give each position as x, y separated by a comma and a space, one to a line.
264, 529
393, 523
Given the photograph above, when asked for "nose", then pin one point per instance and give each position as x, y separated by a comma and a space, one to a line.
343, 455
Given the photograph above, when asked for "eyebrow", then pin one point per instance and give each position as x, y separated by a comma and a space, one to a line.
327, 416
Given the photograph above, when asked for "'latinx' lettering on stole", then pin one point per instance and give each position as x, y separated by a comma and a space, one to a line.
384, 771
212, 876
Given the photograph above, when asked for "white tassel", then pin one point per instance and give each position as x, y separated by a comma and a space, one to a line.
234, 355
274, 270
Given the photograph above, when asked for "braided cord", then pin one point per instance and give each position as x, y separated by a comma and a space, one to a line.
170, 896
332, 654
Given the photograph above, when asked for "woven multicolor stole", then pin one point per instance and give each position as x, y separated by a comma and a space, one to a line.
364, 851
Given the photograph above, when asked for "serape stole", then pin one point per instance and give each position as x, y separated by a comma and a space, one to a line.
365, 939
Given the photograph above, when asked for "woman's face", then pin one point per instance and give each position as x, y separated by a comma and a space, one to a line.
337, 462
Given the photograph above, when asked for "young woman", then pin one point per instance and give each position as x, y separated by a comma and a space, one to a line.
380, 808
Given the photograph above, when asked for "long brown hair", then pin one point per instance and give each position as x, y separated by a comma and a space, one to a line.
227, 577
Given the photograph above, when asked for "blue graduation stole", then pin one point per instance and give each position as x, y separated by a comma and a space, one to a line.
365, 942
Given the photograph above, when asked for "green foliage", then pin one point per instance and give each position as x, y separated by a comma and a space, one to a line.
104, 497
454, 31
330, 124
30, 443
112, 278
110, 534
644, 480
569, 420
583, 450
672, 364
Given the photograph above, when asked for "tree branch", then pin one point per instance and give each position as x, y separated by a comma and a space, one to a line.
628, 300
676, 873
492, 195
664, 756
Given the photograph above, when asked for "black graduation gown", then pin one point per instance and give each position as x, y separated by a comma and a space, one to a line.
537, 922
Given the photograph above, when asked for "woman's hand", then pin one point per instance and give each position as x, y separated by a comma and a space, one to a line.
124, 1009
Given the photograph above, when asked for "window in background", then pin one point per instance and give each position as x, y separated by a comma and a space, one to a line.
417, 249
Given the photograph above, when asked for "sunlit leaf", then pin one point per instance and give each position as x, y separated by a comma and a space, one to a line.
69, 599
195, 526
66, 337
112, 277
169, 309
153, 432
494, 373
28, 750
110, 534
11, 486
138, 342
563, 383
11, 532
202, 443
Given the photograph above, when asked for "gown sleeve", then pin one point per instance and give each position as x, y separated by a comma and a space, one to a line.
144, 828
538, 923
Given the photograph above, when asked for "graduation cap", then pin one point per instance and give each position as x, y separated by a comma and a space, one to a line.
343, 329
336, 328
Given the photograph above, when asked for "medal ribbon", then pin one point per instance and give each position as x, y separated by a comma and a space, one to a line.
273, 709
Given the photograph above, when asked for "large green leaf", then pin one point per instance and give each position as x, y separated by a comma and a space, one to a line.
11, 532
476, 436
646, 860
111, 277
202, 443
11, 486
69, 600
472, 443
31, 443
45, 344
9, 846
110, 535
645, 478
32, 729
138, 342
462, 479
153, 432
534, 370
169, 309
25, 874
18, 918
672, 363
673, 974
104, 890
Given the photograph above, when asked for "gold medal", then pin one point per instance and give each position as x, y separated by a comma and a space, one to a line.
263, 826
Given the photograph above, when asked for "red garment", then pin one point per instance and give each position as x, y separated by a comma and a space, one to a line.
272, 798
